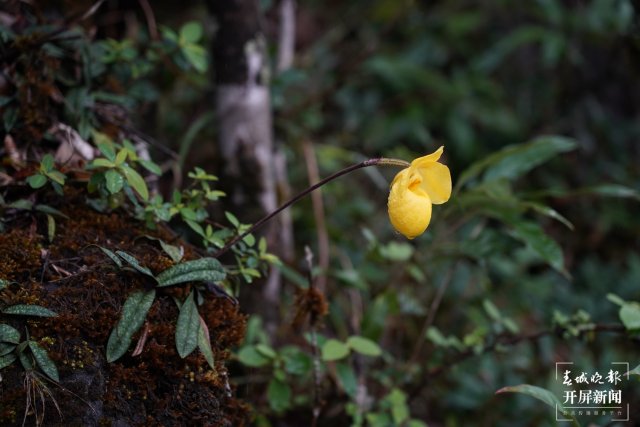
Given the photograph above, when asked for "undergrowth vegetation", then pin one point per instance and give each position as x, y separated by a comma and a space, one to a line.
116, 286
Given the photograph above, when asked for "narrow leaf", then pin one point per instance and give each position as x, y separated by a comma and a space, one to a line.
548, 249
134, 312
51, 227
134, 263
364, 346
44, 361
29, 310
203, 269
204, 343
188, 327
135, 181
111, 255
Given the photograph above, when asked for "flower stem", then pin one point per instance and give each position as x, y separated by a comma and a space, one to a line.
370, 162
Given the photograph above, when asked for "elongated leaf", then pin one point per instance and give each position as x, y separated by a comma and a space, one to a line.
249, 356
539, 393
134, 312
516, 160
134, 263
364, 346
548, 249
175, 253
29, 310
49, 210
549, 212
9, 334
204, 343
347, 377
111, 255
7, 360
205, 269
334, 350
135, 181
188, 327
44, 361
51, 227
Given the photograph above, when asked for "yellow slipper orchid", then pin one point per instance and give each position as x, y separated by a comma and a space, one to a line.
414, 190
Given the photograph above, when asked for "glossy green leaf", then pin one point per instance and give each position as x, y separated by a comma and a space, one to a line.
188, 327
135, 181
150, 166
203, 269
364, 346
114, 181
131, 320
44, 361
266, 350
334, 350
29, 310
9, 334
6, 348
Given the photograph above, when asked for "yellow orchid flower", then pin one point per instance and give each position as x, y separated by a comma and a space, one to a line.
414, 190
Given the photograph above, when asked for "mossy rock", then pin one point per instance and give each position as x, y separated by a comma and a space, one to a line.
72, 276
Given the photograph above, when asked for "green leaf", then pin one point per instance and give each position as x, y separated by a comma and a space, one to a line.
6, 348
348, 379
364, 346
539, 393
175, 253
111, 255
44, 361
635, 371
295, 361
249, 356
134, 263
334, 350
134, 312
51, 227
114, 180
204, 343
22, 204
47, 163
9, 334
514, 161
396, 251
549, 212
102, 163
9, 118
49, 210
150, 166
57, 177
266, 351
232, 219
188, 327
630, 315
197, 57
135, 181
29, 310
203, 269
399, 409
7, 360
191, 32
37, 181
121, 157
544, 246
279, 395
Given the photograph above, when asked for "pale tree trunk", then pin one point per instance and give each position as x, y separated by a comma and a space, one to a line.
252, 171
